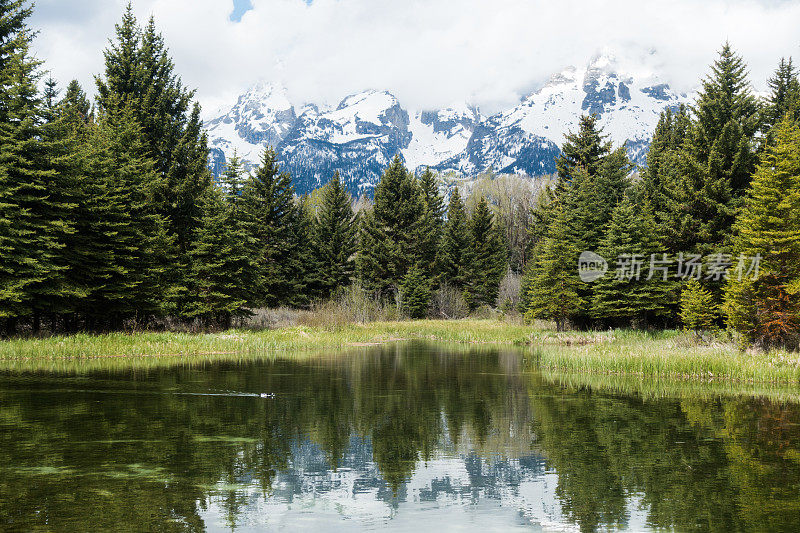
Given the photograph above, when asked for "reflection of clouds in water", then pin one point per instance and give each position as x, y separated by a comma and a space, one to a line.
446, 491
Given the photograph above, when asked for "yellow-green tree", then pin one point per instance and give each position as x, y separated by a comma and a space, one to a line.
766, 310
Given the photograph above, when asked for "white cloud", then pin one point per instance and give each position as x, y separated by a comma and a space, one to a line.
428, 52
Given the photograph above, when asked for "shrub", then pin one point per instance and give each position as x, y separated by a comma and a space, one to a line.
698, 308
448, 303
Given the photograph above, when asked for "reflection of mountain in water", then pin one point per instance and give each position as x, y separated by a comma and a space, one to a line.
394, 436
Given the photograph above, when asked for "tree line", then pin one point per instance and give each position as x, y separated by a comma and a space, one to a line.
720, 188
111, 217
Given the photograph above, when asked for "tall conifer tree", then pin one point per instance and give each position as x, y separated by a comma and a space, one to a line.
335, 235
269, 214
767, 310
390, 234
454, 259
488, 257
719, 156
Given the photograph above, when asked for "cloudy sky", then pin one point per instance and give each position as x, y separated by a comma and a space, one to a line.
429, 53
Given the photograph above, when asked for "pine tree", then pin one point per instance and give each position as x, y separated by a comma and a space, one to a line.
582, 150
454, 259
433, 223
335, 235
139, 75
488, 257
232, 179
698, 308
627, 296
767, 310
416, 292
269, 214
390, 234
719, 156
784, 97
660, 179
554, 285
32, 225
591, 199
134, 234
218, 265
308, 281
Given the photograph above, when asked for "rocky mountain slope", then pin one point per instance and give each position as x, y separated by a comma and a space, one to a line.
365, 131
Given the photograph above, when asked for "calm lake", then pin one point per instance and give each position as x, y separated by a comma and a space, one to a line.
411, 437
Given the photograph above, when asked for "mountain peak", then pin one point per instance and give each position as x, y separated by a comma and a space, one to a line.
361, 135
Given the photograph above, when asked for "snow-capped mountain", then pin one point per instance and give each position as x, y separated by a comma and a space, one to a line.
360, 136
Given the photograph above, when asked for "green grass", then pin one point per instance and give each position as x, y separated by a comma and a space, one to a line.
667, 354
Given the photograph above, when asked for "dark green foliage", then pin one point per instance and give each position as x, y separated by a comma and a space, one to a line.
583, 150
718, 157
454, 259
218, 277
553, 284
487, 259
432, 224
626, 296
269, 215
305, 259
33, 211
766, 310
591, 199
138, 243
784, 97
390, 233
660, 179
335, 236
416, 292
139, 76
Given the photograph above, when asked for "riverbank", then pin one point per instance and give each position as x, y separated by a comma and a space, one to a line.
668, 354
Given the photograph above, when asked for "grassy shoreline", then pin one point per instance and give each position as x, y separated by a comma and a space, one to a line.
668, 354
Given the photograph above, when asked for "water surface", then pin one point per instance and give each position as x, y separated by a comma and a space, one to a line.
412, 437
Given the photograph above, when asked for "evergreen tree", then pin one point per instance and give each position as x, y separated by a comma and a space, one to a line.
488, 258
390, 234
134, 234
784, 96
219, 266
269, 214
591, 199
719, 156
308, 280
767, 310
433, 223
582, 150
232, 179
33, 225
454, 259
139, 75
335, 235
554, 285
660, 179
416, 292
627, 296
698, 308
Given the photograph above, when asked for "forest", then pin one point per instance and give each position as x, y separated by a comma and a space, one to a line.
111, 220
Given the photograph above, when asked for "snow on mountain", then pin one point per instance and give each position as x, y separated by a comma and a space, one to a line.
437, 136
262, 116
628, 107
359, 137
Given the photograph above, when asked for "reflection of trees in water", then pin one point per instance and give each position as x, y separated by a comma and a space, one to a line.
154, 455
151, 452
719, 465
